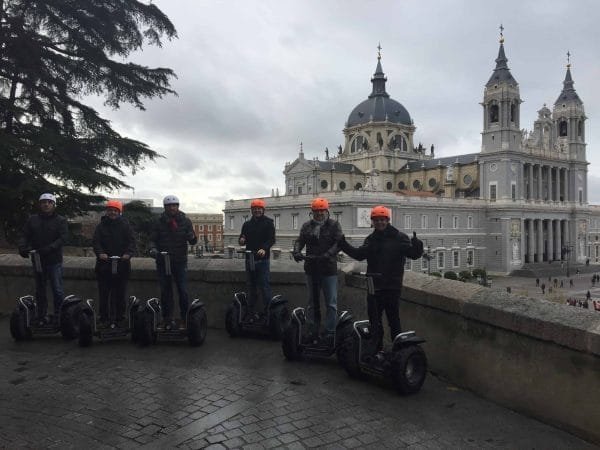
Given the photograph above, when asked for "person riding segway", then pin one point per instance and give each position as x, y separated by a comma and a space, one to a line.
114, 245
320, 236
171, 234
385, 250
42, 241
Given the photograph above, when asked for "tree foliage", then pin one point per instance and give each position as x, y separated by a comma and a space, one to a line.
53, 53
141, 219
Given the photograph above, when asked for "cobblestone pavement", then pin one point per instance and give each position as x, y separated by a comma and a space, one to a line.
233, 393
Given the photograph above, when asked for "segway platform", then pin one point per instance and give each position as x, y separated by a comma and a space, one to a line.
272, 323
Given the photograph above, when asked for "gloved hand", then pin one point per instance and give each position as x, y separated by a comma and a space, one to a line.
297, 256
153, 253
416, 242
191, 236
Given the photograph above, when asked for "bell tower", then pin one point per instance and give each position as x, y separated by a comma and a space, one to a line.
501, 108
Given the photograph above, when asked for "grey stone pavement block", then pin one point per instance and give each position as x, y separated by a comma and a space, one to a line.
233, 393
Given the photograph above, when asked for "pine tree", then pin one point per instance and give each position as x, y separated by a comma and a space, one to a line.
53, 53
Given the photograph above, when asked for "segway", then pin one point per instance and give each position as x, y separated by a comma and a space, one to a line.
24, 323
148, 319
405, 364
88, 319
272, 322
298, 341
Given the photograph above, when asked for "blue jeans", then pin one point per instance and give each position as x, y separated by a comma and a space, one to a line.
328, 285
258, 280
179, 276
54, 273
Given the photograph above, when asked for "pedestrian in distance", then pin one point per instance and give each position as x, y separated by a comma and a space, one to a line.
571, 282
385, 250
543, 288
320, 236
46, 233
258, 235
537, 282
561, 283
171, 233
113, 238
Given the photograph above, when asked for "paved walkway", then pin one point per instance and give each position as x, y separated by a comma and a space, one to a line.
233, 393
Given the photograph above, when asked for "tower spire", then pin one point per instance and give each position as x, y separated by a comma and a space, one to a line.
568, 92
501, 72
379, 78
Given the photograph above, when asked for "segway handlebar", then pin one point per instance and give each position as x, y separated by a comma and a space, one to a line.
36, 261
249, 258
167, 260
114, 264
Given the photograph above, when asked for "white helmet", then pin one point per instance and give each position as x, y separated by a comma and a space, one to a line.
170, 200
48, 196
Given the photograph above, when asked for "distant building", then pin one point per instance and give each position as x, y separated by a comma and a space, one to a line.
209, 229
521, 199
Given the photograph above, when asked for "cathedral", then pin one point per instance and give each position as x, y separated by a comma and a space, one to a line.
521, 199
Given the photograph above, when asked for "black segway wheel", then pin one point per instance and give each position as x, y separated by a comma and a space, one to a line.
197, 327
409, 369
144, 330
85, 329
69, 321
278, 321
18, 325
289, 342
232, 324
347, 354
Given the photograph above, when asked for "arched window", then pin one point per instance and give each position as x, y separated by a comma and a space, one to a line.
562, 128
401, 185
417, 184
432, 182
389, 185
494, 113
580, 128
358, 186
398, 142
324, 184
357, 144
342, 185
513, 112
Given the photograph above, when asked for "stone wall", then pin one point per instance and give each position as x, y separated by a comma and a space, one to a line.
529, 355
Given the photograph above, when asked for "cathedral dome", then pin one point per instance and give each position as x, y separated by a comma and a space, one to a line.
379, 107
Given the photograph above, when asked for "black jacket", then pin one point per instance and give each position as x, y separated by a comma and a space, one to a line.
259, 233
113, 237
172, 235
47, 235
320, 241
386, 252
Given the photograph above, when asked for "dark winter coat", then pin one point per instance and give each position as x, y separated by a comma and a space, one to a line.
172, 235
386, 252
47, 234
320, 240
259, 233
114, 238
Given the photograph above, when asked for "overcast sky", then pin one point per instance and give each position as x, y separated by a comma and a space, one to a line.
256, 78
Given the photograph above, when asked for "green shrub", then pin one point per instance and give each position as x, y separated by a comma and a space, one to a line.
436, 274
450, 275
479, 273
465, 275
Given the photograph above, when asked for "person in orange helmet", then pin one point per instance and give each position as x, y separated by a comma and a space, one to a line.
320, 235
113, 237
385, 250
258, 235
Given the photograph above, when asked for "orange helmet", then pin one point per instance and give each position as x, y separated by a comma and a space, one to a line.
258, 203
319, 203
381, 211
115, 204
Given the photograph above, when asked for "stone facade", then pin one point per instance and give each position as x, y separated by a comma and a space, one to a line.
521, 199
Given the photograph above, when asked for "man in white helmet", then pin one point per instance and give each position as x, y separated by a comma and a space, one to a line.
46, 232
172, 233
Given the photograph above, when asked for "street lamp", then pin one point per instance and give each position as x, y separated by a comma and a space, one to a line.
428, 257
